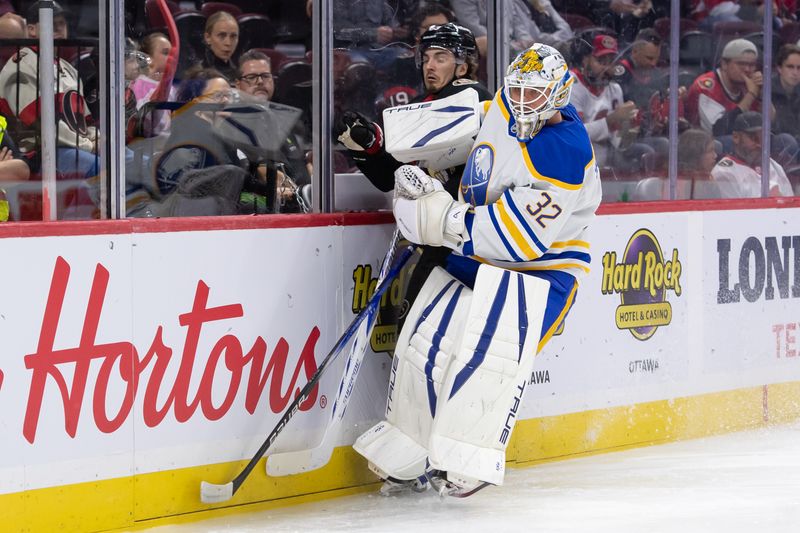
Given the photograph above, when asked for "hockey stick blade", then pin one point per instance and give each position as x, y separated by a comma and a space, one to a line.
211, 493
295, 462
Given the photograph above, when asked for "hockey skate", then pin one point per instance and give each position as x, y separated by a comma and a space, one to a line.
447, 484
392, 485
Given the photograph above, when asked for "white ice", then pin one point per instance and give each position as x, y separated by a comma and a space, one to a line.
736, 483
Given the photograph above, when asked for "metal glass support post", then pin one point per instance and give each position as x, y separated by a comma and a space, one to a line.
111, 142
497, 46
322, 191
674, 61
766, 101
48, 111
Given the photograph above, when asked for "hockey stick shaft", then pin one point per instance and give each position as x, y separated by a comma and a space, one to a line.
317, 456
212, 493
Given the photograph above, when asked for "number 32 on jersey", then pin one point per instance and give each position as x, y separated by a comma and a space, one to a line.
544, 210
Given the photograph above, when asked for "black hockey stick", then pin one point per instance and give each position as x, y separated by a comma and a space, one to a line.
212, 493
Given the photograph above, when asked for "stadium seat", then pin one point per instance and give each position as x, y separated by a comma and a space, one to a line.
255, 31
276, 58
209, 8
790, 33
293, 88
577, 22
662, 26
191, 27
697, 49
154, 18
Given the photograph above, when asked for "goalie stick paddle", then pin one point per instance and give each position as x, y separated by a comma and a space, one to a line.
288, 463
213, 493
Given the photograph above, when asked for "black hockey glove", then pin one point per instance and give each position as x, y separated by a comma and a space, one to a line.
358, 133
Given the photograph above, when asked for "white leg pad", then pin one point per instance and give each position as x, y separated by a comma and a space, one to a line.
392, 451
483, 386
427, 343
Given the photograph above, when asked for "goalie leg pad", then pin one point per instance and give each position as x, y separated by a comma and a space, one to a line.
483, 387
430, 337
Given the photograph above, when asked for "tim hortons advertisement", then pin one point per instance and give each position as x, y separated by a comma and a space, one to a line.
754, 280
153, 335
624, 340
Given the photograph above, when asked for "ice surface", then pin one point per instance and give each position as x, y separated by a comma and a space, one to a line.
736, 483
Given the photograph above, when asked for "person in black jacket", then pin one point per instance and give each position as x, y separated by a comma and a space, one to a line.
448, 60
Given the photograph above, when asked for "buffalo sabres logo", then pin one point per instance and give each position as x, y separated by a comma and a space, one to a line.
478, 170
529, 61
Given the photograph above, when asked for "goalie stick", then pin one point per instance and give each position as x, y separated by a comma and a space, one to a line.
285, 464
213, 493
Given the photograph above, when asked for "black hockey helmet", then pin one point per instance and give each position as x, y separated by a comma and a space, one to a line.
457, 39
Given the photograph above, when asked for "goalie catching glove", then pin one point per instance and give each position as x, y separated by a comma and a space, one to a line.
358, 133
433, 219
411, 182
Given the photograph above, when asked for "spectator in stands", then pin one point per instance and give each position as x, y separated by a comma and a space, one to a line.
13, 166
12, 26
786, 91
628, 17
717, 97
609, 119
194, 143
739, 174
697, 155
362, 23
523, 20
76, 138
221, 38
255, 83
640, 78
429, 14
200, 151
156, 47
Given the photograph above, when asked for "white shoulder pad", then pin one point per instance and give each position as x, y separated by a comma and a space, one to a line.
439, 134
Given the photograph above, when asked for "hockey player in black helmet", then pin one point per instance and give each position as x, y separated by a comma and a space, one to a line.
448, 61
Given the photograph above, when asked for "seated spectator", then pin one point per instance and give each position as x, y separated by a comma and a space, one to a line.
786, 91
12, 26
13, 166
697, 154
221, 38
717, 97
365, 28
201, 150
544, 23
76, 138
429, 14
628, 17
640, 78
523, 21
157, 47
255, 83
739, 174
609, 119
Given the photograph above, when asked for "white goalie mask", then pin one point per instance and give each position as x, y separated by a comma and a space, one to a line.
536, 86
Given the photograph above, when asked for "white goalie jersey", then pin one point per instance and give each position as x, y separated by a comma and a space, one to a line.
532, 201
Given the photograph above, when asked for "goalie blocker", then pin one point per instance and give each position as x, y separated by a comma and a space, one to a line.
459, 372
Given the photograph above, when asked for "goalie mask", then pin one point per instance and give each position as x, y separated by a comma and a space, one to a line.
452, 37
537, 85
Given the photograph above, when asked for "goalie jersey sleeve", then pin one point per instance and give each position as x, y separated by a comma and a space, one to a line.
533, 201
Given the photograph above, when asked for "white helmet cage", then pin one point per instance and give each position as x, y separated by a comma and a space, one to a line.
537, 85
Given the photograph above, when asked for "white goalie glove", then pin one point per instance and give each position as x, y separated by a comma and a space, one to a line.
411, 182
433, 219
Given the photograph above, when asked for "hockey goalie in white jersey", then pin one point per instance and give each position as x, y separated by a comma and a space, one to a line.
528, 194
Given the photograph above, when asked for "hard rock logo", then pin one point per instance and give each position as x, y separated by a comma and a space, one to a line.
642, 278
